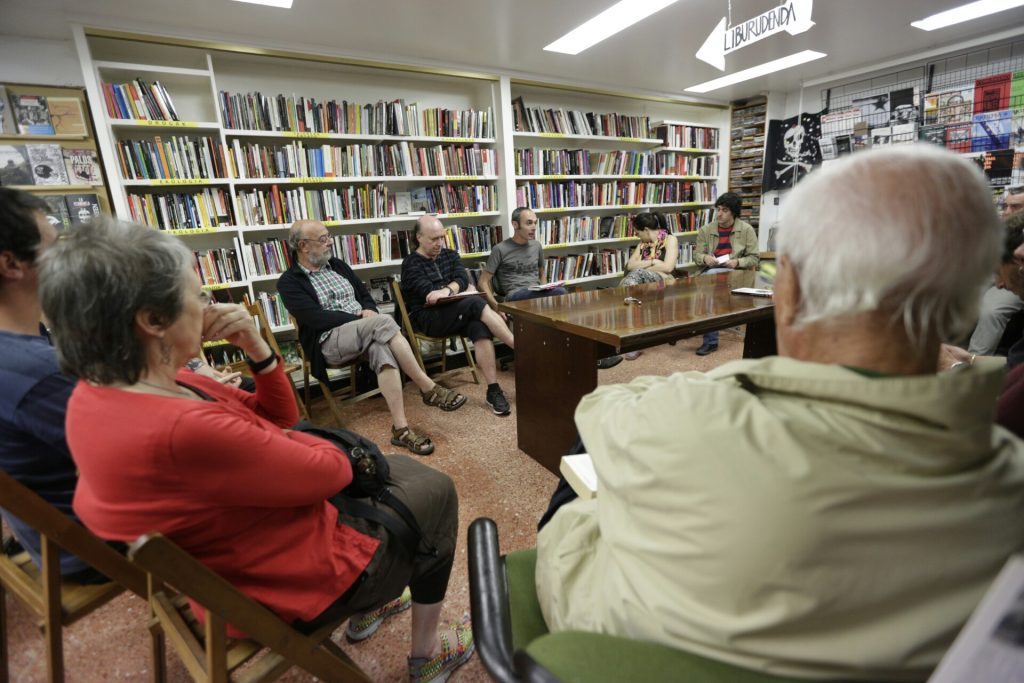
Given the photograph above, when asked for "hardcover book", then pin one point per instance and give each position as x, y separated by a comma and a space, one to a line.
82, 208
47, 164
58, 212
991, 131
83, 166
992, 93
14, 168
31, 114
7, 125
66, 115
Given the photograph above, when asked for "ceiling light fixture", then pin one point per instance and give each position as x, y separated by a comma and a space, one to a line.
972, 10
618, 17
283, 4
759, 70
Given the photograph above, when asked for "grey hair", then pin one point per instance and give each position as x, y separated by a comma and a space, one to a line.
95, 281
911, 230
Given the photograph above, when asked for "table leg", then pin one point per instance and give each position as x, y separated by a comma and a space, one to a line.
554, 370
759, 340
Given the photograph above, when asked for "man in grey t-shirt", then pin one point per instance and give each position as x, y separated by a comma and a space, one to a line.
516, 264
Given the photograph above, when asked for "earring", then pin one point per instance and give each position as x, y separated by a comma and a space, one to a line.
165, 352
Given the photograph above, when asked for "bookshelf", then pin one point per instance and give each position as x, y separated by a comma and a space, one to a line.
63, 166
746, 152
587, 163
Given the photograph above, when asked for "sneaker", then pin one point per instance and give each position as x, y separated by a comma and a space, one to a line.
705, 349
632, 355
498, 403
609, 362
362, 626
453, 655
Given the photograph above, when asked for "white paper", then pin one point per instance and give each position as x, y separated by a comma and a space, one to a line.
723, 258
579, 471
752, 291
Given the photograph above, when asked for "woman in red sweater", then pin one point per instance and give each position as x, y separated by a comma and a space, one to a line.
216, 469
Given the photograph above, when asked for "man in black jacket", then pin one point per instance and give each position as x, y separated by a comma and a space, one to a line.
338, 322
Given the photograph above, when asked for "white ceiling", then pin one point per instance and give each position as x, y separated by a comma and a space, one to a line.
508, 36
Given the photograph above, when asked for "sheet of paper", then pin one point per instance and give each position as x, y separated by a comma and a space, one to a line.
752, 291
723, 258
579, 471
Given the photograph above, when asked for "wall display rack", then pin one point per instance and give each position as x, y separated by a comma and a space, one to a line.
746, 151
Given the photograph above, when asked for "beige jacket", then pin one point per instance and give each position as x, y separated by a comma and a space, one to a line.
789, 517
743, 241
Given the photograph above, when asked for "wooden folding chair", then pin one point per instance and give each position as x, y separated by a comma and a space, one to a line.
415, 338
55, 602
347, 393
206, 650
263, 325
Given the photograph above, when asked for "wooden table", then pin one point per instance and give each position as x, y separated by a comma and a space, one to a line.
560, 339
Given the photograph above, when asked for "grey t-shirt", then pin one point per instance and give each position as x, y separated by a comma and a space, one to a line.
515, 266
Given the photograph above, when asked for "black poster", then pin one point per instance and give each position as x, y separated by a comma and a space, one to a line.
793, 150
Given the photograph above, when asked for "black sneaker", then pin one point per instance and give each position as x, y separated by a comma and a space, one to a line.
705, 349
609, 362
498, 403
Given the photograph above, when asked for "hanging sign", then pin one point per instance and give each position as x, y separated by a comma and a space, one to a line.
792, 16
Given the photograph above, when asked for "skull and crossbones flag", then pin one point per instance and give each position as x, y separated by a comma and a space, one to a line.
793, 150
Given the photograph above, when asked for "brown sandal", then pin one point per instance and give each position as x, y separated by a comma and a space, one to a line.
444, 398
406, 438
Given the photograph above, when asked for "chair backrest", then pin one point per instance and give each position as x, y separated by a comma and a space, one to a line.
224, 604
410, 333
256, 311
54, 525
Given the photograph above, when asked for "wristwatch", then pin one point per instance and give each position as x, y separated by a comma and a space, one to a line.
257, 366
451, 292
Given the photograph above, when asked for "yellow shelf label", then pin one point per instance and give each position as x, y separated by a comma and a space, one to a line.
462, 215
462, 177
327, 223
165, 124
221, 285
632, 139
552, 135
306, 134
191, 231
443, 139
555, 177
211, 344
179, 181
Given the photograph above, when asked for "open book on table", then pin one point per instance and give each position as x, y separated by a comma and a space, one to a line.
579, 471
752, 291
546, 286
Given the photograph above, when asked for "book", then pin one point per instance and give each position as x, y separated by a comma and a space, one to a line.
66, 115
992, 93
546, 286
958, 137
843, 145
997, 165
752, 291
82, 208
522, 121
31, 114
7, 125
881, 136
902, 106
1017, 90
990, 647
955, 106
58, 212
1017, 127
934, 134
403, 203
47, 164
14, 168
991, 130
83, 166
421, 199
579, 473
904, 133
380, 290
455, 297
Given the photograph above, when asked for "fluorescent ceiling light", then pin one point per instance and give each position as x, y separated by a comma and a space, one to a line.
759, 70
618, 17
972, 10
283, 4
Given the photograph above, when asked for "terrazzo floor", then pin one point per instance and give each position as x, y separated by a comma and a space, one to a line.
493, 477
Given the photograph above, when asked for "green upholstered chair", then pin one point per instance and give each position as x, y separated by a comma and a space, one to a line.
514, 643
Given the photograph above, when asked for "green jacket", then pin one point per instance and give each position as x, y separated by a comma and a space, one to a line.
744, 244
789, 517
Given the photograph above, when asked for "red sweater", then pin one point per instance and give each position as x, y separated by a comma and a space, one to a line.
223, 481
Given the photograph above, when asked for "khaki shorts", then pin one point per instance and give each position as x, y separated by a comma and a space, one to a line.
366, 336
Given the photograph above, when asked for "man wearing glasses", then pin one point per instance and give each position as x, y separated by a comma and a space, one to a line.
998, 305
339, 322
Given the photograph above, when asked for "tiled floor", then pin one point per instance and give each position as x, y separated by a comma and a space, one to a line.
493, 477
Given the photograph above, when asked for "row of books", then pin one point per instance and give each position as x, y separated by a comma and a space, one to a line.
685, 257
574, 266
574, 122
272, 206
255, 111
40, 115
218, 266
688, 221
536, 161
472, 239
299, 159
568, 229
273, 308
48, 164
67, 211
542, 195
207, 208
690, 137
264, 257
139, 100
178, 157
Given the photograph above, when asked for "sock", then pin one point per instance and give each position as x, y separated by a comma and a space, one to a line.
493, 387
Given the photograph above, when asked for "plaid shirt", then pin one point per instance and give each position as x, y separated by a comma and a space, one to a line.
334, 293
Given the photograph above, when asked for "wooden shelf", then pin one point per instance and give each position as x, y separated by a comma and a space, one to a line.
26, 137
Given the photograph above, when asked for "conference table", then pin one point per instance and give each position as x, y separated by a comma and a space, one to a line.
559, 340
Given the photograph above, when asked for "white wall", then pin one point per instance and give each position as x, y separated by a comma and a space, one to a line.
39, 62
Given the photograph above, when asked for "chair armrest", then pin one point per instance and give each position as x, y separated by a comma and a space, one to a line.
489, 601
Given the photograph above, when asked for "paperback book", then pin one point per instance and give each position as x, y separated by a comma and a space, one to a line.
83, 166
14, 168
66, 115
47, 163
958, 137
82, 208
991, 131
31, 114
7, 125
58, 212
380, 290
992, 93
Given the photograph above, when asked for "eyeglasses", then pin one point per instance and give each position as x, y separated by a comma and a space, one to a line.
205, 298
322, 239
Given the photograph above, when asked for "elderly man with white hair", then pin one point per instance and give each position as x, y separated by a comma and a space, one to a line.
833, 512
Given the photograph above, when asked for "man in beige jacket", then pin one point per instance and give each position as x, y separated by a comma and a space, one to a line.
834, 512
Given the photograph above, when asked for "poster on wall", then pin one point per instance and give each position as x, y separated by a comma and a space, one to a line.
793, 150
